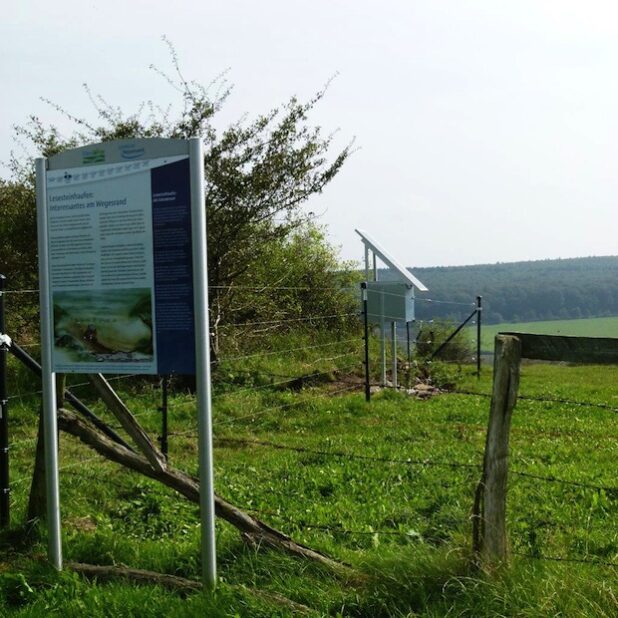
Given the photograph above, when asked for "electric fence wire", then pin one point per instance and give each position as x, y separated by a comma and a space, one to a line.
482, 428
253, 372
263, 411
445, 302
289, 350
552, 479
403, 342
338, 528
268, 288
345, 455
70, 387
565, 559
537, 398
382, 292
300, 379
408, 461
9, 292
224, 395
73, 464
289, 320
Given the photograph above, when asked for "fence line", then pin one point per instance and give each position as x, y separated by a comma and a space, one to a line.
7, 292
270, 353
586, 404
408, 461
286, 320
71, 386
345, 455
444, 302
339, 529
283, 406
565, 559
305, 288
287, 381
68, 466
553, 479
253, 372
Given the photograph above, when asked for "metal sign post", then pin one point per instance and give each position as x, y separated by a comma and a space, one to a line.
50, 422
124, 285
202, 369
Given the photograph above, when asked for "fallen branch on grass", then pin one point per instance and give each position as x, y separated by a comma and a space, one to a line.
253, 530
178, 584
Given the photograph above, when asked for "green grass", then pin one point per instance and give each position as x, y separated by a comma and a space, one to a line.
585, 327
404, 526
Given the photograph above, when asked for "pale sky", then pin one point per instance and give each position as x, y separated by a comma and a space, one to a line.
486, 130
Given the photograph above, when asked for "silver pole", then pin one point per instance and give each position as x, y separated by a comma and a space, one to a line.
382, 339
375, 267
394, 353
50, 422
202, 360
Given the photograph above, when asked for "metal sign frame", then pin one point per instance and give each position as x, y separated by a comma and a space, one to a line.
118, 152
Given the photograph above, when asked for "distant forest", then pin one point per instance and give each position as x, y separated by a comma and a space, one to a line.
523, 291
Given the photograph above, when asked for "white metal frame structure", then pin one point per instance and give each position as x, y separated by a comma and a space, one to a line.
404, 276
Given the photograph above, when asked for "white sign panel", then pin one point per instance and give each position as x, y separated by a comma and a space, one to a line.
107, 279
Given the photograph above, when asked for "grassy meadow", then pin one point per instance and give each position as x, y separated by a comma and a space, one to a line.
385, 487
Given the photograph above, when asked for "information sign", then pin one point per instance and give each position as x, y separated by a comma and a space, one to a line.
120, 266
123, 286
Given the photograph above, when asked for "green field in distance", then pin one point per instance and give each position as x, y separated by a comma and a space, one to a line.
585, 327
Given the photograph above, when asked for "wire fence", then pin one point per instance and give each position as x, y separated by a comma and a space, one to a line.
346, 383
540, 399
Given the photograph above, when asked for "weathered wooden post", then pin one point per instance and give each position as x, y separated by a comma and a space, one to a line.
489, 536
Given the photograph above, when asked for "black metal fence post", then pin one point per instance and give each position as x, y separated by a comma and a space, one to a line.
164, 393
4, 418
366, 338
479, 310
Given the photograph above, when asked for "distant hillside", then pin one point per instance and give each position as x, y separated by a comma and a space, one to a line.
524, 291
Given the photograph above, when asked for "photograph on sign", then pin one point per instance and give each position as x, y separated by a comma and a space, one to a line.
103, 326
120, 266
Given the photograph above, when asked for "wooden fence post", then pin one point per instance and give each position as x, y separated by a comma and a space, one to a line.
489, 536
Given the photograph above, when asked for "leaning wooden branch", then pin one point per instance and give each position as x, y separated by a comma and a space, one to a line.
252, 529
128, 422
178, 584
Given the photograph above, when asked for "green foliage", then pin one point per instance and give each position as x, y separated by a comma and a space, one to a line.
298, 285
18, 252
